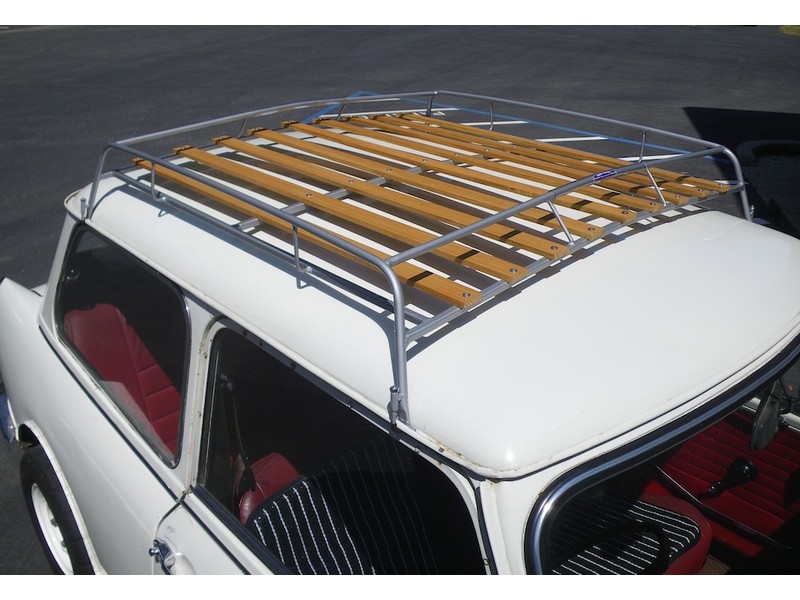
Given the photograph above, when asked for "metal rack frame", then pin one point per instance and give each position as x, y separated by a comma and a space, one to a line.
417, 121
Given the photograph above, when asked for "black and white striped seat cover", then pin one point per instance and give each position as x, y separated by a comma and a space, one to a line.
607, 534
357, 516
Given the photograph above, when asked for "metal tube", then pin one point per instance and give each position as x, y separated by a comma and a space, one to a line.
97, 175
265, 112
655, 185
560, 222
296, 245
737, 167
429, 108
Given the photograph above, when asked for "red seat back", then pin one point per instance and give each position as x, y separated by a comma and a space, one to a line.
271, 474
115, 351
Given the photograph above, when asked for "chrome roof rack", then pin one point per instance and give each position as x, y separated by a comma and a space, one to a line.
458, 212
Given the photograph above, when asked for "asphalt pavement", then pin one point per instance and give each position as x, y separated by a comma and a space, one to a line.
67, 91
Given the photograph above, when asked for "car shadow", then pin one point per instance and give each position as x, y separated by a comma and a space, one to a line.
767, 145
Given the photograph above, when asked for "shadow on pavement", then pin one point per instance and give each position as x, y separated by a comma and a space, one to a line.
767, 145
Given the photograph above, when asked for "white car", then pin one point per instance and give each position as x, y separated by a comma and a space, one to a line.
422, 333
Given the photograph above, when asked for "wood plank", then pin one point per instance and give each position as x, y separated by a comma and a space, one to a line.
431, 210
611, 212
393, 230
444, 289
444, 188
613, 197
581, 160
679, 180
534, 158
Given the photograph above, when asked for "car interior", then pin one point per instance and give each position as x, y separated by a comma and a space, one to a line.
725, 501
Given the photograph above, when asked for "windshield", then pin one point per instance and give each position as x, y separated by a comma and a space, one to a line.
725, 499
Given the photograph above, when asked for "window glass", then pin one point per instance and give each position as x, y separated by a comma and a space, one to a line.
725, 500
323, 489
129, 325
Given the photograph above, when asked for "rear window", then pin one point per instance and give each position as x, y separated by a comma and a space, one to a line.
129, 326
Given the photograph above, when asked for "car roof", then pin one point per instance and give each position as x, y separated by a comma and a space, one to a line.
599, 346
548, 298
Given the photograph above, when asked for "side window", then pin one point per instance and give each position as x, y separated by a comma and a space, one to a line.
130, 327
323, 489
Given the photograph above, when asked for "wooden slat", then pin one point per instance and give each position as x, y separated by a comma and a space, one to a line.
514, 237
613, 197
570, 157
366, 127
535, 159
679, 180
607, 211
450, 190
394, 230
446, 290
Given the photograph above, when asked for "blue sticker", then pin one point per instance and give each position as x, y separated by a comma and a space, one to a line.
604, 175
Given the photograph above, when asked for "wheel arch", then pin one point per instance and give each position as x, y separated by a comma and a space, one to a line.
29, 436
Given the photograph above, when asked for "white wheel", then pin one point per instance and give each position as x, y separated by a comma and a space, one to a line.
51, 532
51, 514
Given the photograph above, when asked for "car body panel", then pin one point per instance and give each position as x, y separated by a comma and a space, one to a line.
676, 310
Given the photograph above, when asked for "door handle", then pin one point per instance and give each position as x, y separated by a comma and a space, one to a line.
163, 556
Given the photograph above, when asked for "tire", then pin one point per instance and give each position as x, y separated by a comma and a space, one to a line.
51, 515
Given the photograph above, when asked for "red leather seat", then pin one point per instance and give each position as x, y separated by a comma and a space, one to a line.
692, 559
766, 504
271, 473
115, 351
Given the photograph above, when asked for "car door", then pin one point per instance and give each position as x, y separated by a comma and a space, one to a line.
186, 542
194, 536
292, 479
